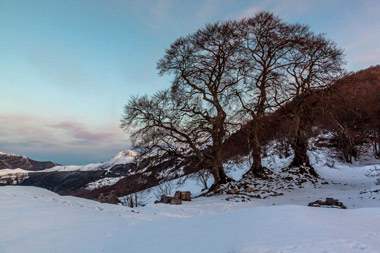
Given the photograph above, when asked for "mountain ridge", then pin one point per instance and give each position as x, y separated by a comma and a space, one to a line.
13, 161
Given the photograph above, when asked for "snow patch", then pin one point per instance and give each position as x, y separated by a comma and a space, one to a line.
103, 182
123, 157
4, 172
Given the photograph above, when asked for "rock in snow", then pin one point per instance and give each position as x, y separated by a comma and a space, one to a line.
330, 202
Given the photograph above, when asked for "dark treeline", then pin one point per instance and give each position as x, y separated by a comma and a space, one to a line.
352, 113
248, 76
349, 110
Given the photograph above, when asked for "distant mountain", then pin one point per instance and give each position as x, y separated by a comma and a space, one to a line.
123, 157
12, 161
69, 179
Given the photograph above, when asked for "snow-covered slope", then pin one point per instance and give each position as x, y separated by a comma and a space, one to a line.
123, 157
12, 171
72, 179
48, 222
347, 182
103, 182
12, 176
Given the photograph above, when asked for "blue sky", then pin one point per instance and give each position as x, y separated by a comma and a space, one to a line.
68, 67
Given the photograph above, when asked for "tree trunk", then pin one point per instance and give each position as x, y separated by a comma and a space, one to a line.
217, 169
376, 149
300, 144
257, 168
215, 174
220, 177
345, 141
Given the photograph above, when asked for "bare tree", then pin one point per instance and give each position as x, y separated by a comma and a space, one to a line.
266, 41
315, 63
226, 74
165, 188
374, 173
202, 177
193, 118
351, 114
137, 198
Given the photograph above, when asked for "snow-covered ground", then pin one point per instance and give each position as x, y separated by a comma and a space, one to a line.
36, 220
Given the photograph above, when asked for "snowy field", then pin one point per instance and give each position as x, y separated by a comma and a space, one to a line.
36, 220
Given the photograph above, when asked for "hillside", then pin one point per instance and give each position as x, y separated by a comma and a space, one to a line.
12, 161
14, 169
349, 109
358, 91
67, 180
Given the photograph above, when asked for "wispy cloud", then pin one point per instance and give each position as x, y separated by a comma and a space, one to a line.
364, 35
83, 136
151, 13
361, 35
371, 58
31, 134
283, 8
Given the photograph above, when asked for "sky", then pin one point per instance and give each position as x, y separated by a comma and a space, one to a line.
67, 68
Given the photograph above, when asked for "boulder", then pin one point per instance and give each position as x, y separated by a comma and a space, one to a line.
249, 189
112, 198
340, 204
102, 198
166, 199
320, 202
183, 195
330, 201
233, 191
175, 201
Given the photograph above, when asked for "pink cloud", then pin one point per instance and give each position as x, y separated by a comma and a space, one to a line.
371, 58
20, 131
66, 142
83, 135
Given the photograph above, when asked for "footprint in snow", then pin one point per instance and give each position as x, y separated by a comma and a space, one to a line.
356, 245
373, 235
